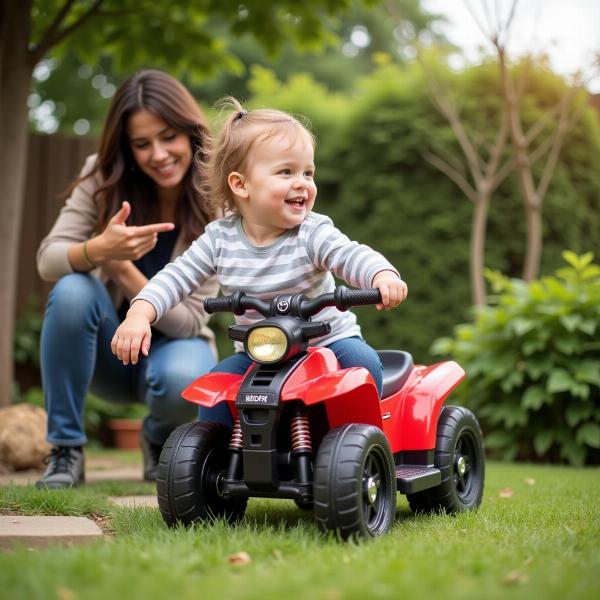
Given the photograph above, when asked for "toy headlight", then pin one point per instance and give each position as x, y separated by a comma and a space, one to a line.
267, 344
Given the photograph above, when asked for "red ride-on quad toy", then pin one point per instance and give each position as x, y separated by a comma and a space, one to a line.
308, 430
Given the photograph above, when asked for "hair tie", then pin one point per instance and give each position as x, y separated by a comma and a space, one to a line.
240, 114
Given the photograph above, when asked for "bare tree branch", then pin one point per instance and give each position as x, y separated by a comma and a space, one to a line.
448, 110
523, 80
497, 149
539, 125
509, 20
450, 172
564, 124
488, 15
475, 17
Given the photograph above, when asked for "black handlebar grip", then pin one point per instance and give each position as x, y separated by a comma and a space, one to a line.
361, 297
220, 304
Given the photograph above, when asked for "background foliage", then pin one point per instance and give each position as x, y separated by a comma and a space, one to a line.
376, 186
533, 363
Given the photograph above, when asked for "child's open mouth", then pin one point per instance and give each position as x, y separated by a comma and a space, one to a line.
296, 201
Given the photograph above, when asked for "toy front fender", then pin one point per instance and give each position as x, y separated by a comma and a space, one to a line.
349, 395
213, 388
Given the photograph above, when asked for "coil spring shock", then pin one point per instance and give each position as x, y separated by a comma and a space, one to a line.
300, 433
236, 442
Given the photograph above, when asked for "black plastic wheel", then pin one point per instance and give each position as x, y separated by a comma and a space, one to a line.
192, 463
354, 487
459, 455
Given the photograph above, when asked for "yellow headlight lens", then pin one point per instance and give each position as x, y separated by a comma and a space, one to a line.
267, 344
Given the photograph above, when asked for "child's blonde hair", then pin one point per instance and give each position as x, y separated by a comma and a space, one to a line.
232, 149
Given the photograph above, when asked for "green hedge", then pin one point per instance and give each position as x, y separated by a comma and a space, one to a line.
533, 364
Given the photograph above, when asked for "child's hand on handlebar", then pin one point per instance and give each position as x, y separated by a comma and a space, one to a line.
133, 334
392, 289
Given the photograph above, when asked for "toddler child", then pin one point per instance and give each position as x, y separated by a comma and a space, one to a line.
261, 174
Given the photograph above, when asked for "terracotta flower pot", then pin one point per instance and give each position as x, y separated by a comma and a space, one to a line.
126, 433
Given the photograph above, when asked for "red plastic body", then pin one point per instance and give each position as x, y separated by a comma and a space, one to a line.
408, 417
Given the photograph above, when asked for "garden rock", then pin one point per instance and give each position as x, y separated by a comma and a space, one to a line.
22, 437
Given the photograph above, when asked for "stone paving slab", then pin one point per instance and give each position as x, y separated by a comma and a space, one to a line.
135, 501
118, 474
40, 532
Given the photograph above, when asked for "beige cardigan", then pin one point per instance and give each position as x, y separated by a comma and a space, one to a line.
75, 223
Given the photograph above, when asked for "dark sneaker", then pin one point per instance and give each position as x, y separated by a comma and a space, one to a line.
150, 454
66, 469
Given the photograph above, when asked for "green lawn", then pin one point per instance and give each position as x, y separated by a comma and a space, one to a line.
540, 541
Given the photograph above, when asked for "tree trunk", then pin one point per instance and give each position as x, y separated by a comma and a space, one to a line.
533, 256
531, 199
16, 75
477, 252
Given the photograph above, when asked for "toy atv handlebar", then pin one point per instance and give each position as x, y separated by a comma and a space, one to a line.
296, 305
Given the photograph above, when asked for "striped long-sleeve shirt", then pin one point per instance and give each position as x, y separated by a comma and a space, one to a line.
301, 261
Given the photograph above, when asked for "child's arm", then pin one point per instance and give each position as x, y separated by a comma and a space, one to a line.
361, 266
180, 278
393, 289
134, 333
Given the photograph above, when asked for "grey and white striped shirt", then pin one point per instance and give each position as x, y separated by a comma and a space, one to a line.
301, 261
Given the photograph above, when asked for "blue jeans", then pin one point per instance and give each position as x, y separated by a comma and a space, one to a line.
350, 352
79, 324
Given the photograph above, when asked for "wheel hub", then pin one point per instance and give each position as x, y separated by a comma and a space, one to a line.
372, 489
461, 466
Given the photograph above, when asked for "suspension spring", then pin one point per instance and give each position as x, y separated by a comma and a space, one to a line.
301, 434
236, 442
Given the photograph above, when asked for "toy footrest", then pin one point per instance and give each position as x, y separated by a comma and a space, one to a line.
416, 478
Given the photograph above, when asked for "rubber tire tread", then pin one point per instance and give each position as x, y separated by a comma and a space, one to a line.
180, 490
443, 498
337, 486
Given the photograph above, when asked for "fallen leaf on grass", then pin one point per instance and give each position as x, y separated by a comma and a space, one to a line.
506, 492
64, 593
515, 578
530, 481
239, 558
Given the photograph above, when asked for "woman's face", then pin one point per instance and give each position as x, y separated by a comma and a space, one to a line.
160, 151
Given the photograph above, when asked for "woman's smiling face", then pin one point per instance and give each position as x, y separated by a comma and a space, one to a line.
161, 152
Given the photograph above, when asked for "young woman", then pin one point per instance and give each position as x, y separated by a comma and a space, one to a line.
134, 207
262, 172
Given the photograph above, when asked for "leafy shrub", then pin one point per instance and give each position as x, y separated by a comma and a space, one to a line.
533, 363
26, 348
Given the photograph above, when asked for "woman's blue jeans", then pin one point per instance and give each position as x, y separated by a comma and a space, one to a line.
350, 352
76, 357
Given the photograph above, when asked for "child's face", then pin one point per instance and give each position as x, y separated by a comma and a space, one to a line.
279, 183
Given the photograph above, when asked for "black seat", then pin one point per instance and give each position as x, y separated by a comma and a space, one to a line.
397, 367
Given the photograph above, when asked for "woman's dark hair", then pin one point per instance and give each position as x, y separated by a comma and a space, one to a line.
121, 178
